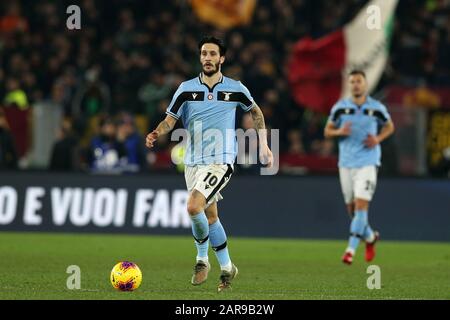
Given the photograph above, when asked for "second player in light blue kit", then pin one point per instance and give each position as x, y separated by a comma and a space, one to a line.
360, 123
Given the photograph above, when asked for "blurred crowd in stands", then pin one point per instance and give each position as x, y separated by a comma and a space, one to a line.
113, 79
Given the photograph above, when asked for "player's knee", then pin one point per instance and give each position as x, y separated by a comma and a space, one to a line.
193, 208
361, 204
212, 219
351, 209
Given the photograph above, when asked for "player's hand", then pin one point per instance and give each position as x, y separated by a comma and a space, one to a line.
266, 156
371, 141
151, 138
346, 129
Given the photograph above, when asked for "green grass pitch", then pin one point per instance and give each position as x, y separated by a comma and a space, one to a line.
34, 267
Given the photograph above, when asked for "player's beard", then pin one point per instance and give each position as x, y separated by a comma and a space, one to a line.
213, 71
357, 94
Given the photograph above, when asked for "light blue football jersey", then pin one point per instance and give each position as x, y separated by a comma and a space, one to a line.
365, 119
209, 116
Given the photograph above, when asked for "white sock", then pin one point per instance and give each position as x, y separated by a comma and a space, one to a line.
350, 250
371, 238
228, 267
203, 259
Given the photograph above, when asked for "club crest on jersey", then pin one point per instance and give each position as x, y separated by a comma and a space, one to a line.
227, 96
210, 96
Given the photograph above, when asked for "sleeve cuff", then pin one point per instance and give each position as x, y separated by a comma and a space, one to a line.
173, 115
250, 107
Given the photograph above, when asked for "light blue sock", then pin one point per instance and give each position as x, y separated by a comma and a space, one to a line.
200, 231
369, 235
218, 240
359, 223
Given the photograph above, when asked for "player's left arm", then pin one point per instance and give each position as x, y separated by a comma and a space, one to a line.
260, 126
386, 131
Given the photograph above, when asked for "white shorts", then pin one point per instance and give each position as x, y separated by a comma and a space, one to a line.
208, 179
358, 183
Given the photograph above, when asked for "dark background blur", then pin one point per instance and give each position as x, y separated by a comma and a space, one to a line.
64, 92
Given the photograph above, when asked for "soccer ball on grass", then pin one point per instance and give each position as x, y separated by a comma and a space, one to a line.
126, 276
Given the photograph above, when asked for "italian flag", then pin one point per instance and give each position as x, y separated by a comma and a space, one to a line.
318, 68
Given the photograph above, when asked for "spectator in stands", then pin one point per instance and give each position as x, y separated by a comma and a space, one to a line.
295, 142
13, 21
17, 112
15, 96
93, 97
152, 92
422, 97
443, 167
311, 128
247, 158
128, 135
65, 151
326, 148
105, 154
8, 155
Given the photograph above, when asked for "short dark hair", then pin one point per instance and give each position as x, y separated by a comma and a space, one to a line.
357, 71
104, 120
216, 41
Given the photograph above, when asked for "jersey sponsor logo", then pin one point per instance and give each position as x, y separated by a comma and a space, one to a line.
194, 95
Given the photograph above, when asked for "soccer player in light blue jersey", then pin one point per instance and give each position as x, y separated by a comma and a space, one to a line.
360, 123
207, 106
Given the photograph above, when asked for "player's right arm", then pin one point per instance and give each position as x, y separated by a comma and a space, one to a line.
331, 131
333, 128
174, 112
164, 127
249, 105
